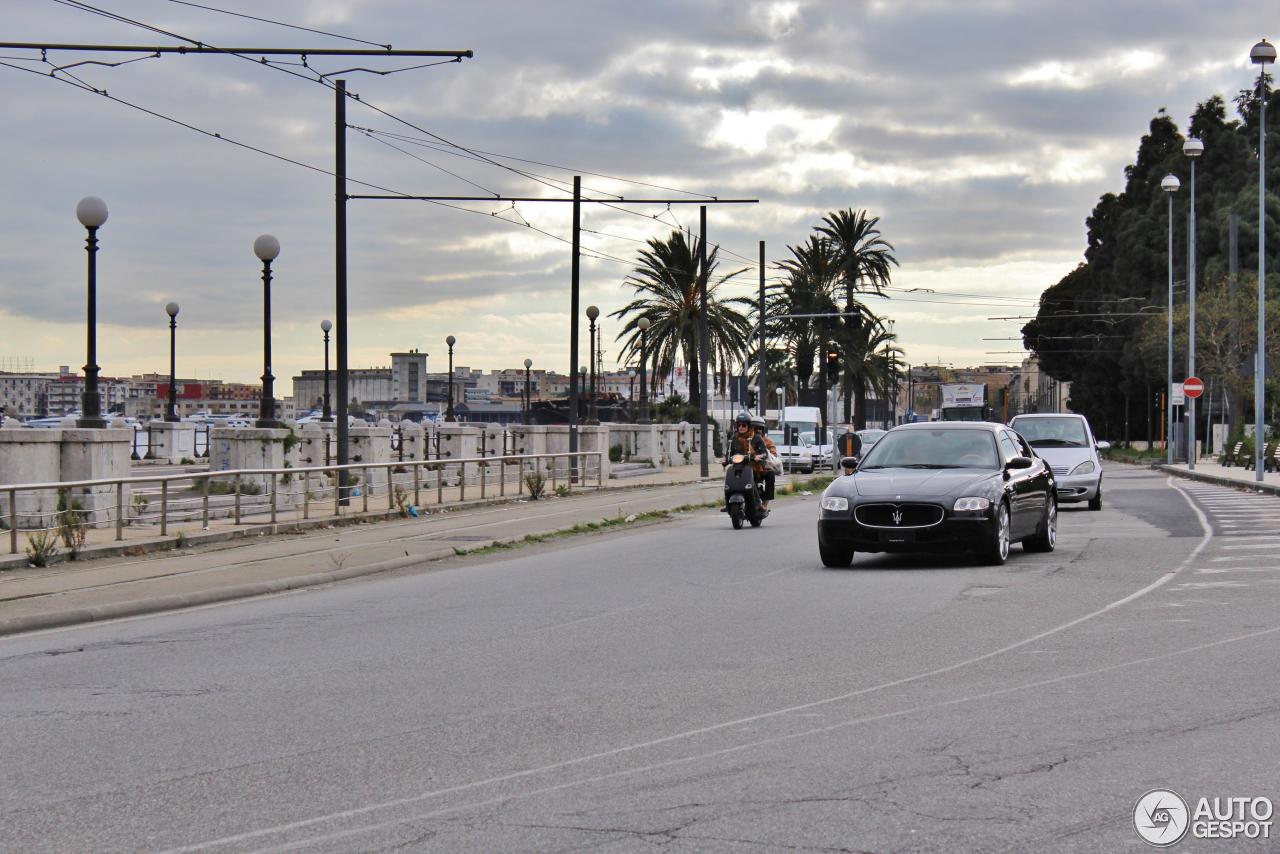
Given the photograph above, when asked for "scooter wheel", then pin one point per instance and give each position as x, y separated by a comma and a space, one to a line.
737, 521
755, 523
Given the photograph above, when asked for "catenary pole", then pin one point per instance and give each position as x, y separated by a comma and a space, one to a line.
703, 337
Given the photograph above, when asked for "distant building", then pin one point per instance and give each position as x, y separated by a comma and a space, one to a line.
409, 377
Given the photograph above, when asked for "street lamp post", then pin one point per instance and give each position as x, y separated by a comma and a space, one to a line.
631, 388
1170, 185
644, 323
92, 213
528, 395
1262, 54
592, 411
448, 413
1192, 148
327, 414
267, 248
171, 411
782, 413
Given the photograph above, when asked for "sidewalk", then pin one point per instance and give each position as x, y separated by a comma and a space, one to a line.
185, 524
1211, 472
255, 564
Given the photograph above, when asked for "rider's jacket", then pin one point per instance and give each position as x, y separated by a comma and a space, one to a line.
751, 445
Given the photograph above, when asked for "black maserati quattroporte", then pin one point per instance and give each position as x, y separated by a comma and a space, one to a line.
941, 486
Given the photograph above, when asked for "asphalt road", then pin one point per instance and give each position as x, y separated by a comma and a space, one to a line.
683, 687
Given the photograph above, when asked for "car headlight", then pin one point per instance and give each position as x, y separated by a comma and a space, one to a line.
835, 502
1086, 467
968, 504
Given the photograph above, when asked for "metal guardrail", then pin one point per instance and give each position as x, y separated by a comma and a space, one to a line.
295, 489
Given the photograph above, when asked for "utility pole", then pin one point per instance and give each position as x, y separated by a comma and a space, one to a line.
703, 344
762, 381
574, 266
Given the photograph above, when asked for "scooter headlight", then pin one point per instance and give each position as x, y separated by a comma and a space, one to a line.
835, 502
739, 459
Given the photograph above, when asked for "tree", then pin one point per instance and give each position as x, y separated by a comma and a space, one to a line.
666, 284
808, 287
865, 260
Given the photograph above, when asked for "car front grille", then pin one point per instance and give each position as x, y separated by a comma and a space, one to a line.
898, 515
1061, 471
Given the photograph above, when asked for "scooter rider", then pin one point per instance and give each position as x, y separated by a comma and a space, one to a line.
762, 432
745, 441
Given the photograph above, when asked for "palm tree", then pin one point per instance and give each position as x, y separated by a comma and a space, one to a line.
865, 259
872, 357
666, 287
808, 288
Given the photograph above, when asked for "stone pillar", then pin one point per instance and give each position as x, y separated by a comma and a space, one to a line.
413, 444
232, 448
557, 438
458, 441
89, 454
594, 437
30, 456
648, 447
171, 440
371, 445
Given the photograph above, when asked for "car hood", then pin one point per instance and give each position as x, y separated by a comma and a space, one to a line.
1061, 456
882, 483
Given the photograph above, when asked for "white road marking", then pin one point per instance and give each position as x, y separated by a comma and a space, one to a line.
1206, 538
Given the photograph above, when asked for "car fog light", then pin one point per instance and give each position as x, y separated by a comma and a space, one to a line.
968, 504
1085, 467
834, 502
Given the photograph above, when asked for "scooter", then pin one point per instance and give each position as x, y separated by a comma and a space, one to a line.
743, 496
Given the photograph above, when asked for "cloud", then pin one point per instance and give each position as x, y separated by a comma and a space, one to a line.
981, 133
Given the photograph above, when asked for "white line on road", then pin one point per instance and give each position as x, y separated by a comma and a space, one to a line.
738, 748
1206, 538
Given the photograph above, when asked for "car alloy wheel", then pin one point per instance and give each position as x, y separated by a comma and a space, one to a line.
1002, 532
1052, 529
996, 552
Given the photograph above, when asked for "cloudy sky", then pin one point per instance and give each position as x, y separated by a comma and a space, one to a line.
981, 132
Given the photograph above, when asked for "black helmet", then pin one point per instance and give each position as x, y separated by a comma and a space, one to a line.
758, 421
742, 418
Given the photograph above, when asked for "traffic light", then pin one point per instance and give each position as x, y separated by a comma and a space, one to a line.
751, 397
833, 365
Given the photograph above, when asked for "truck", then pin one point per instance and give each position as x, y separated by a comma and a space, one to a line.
965, 402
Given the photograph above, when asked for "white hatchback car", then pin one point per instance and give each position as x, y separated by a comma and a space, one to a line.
1065, 441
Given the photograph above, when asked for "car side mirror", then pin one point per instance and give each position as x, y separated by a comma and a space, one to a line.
1020, 463
1102, 446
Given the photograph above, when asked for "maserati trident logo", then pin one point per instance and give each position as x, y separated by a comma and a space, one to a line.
897, 515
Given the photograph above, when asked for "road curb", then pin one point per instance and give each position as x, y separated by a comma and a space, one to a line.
179, 601
1269, 488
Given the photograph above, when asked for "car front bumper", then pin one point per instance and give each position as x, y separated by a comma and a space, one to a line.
968, 531
1080, 487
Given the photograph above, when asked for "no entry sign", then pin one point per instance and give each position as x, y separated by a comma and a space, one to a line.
1193, 387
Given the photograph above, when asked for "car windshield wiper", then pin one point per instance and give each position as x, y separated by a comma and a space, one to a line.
932, 466
1067, 442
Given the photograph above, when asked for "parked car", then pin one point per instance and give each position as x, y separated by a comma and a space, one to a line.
1066, 442
941, 487
869, 438
798, 456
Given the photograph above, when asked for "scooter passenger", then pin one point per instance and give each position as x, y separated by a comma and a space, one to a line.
761, 430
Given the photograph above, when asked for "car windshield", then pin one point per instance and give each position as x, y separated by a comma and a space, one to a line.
776, 436
1053, 432
933, 449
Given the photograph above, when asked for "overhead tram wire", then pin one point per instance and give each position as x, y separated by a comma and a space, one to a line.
278, 23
